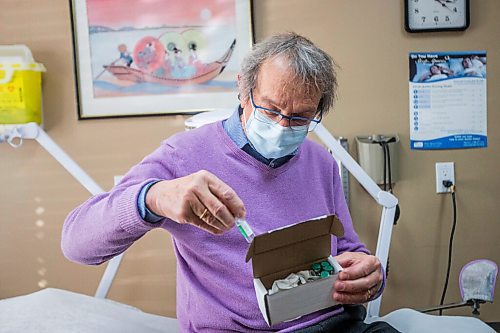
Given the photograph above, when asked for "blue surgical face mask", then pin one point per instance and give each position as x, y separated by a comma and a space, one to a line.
272, 140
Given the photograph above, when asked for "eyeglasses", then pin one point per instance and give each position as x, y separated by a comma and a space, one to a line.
269, 116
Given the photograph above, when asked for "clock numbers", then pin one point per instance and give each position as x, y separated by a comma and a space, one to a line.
434, 15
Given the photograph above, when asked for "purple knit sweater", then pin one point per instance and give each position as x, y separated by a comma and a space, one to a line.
215, 290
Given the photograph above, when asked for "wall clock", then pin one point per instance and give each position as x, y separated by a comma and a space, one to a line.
436, 15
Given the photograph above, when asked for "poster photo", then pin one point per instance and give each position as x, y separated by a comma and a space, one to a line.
149, 57
447, 100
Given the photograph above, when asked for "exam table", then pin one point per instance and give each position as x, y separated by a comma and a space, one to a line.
55, 310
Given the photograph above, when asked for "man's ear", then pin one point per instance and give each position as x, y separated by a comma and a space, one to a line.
244, 100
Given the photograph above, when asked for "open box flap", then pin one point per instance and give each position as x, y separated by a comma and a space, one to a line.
300, 243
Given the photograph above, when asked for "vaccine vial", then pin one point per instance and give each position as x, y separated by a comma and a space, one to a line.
245, 230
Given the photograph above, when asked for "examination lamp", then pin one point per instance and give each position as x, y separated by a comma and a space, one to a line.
385, 199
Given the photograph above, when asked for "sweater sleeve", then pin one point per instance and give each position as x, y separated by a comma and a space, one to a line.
108, 223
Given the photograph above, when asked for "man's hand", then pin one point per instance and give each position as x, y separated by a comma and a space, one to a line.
360, 278
200, 199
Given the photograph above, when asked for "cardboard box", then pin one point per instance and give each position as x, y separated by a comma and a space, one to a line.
287, 250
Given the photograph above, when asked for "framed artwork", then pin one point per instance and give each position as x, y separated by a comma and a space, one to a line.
151, 57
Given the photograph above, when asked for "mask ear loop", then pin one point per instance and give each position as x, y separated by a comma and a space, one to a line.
12, 136
245, 116
246, 121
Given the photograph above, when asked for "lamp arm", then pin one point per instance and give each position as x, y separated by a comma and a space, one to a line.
383, 198
33, 131
473, 303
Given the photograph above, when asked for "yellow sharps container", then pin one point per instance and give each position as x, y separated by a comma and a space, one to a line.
20, 86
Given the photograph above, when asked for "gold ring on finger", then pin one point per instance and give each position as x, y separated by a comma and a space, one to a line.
205, 212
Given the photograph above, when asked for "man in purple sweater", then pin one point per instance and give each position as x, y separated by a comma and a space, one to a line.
257, 164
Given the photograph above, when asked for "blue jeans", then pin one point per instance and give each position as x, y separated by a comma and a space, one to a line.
349, 321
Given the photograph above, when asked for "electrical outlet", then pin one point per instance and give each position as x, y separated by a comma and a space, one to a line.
444, 171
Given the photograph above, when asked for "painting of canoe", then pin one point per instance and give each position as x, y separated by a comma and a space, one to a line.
138, 57
202, 74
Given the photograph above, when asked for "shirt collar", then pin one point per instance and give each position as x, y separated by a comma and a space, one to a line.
234, 129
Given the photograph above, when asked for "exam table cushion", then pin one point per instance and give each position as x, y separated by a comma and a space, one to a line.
55, 310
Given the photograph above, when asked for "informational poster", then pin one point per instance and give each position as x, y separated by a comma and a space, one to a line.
448, 100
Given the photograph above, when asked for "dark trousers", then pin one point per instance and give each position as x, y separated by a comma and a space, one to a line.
349, 321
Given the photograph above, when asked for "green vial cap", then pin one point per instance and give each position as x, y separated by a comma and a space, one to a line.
325, 263
328, 268
316, 266
324, 275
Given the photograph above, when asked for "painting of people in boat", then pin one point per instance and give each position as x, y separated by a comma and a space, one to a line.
129, 50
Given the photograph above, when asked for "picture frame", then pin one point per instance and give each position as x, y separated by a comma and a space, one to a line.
143, 57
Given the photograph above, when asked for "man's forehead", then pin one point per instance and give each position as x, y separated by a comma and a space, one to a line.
277, 68
277, 77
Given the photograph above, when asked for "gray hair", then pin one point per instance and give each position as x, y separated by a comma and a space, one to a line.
311, 65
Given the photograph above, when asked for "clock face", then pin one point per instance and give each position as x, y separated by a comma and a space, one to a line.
431, 15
